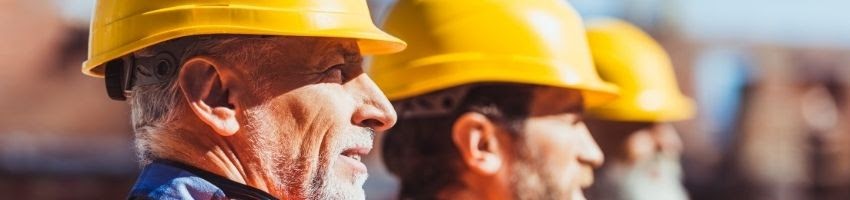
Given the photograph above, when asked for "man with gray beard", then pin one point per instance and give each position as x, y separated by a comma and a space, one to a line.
640, 165
244, 99
634, 131
490, 97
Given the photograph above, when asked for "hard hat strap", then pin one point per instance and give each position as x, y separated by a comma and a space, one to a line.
116, 76
131, 71
155, 70
434, 104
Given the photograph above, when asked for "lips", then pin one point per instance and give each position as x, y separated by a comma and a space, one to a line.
353, 157
355, 153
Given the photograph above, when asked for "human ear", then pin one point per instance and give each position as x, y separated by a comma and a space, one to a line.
474, 135
201, 83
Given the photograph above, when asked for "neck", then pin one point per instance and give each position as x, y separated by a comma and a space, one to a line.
476, 188
460, 193
216, 154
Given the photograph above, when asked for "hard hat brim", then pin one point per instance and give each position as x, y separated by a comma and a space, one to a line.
446, 74
632, 59
646, 108
181, 22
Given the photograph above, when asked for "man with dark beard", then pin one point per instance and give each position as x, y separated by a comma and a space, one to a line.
490, 96
634, 131
244, 99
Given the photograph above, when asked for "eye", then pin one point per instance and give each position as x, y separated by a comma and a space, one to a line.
572, 119
334, 74
579, 118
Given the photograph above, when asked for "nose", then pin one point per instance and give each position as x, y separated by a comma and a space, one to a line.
589, 151
374, 110
666, 138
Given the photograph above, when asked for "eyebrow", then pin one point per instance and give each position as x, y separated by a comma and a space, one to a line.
347, 51
348, 54
579, 108
324, 54
577, 103
574, 108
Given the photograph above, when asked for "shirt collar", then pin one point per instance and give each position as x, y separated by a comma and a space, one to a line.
165, 178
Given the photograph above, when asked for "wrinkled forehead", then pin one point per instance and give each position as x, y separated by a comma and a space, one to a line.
292, 48
553, 100
298, 46
295, 53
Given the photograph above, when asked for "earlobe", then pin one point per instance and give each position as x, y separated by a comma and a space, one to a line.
475, 138
201, 83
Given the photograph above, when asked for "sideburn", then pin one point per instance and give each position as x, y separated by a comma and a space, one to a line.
530, 178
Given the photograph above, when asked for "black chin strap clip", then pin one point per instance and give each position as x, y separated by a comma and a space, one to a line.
122, 74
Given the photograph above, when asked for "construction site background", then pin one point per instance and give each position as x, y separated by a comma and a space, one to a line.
771, 80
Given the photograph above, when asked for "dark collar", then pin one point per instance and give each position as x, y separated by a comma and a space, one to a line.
231, 189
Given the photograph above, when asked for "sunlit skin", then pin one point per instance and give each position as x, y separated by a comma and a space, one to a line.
560, 152
288, 115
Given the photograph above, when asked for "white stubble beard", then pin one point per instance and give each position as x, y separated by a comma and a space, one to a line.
326, 183
621, 181
335, 187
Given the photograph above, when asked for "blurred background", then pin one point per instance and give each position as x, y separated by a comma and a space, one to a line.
771, 79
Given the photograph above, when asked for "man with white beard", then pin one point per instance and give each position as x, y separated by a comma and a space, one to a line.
244, 99
641, 146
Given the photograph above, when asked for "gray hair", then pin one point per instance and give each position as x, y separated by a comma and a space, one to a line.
154, 106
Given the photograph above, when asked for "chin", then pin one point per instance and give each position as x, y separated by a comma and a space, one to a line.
345, 182
345, 191
355, 193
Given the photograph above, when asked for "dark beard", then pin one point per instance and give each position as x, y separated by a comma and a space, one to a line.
530, 176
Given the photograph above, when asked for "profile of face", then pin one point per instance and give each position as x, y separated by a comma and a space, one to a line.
560, 151
302, 111
643, 161
551, 157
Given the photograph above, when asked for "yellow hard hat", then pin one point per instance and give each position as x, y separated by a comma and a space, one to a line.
458, 42
120, 27
626, 56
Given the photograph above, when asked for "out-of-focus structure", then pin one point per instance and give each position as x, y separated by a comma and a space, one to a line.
59, 139
770, 79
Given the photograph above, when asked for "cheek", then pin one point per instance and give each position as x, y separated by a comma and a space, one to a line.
316, 106
640, 146
308, 117
558, 146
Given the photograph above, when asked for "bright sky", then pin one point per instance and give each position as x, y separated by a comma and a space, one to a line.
790, 22
793, 22
823, 22
78, 11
